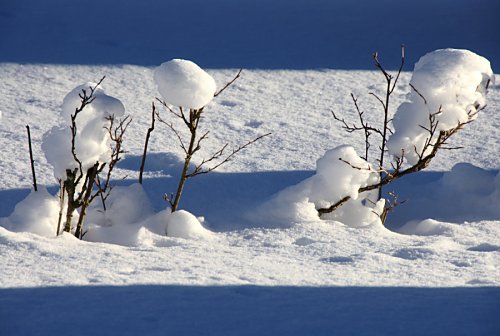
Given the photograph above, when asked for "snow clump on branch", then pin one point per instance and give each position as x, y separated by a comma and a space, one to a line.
450, 84
91, 138
183, 83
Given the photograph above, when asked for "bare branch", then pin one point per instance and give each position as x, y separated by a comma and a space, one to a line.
177, 114
423, 162
148, 135
400, 69
368, 168
115, 133
379, 99
418, 92
229, 83
199, 170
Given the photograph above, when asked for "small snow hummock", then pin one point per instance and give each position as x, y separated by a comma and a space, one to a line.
451, 81
183, 83
427, 227
91, 139
182, 224
125, 205
37, 213
339, 173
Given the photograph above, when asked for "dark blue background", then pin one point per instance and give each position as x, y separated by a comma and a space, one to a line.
269, 34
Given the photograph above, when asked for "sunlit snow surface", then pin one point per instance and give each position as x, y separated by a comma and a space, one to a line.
458, 247
295, 106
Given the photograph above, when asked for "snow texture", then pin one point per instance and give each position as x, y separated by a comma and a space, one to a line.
183, 83
448, 83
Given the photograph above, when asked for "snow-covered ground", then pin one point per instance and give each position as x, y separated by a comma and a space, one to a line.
434, 270
459, 247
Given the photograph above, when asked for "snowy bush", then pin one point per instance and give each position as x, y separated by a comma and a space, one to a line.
80, 149
448, 90
184, 85
91, 141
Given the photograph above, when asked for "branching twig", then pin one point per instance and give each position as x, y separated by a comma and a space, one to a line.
229, 83
389, 90
86, 99
115, 133
390, 206
198, 170
425, 159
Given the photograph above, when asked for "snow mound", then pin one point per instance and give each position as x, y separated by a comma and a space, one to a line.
336, 176
122, 223
91, 138
468, 179
449, 81
124, 206
428, 227
183, 83
182, 224
339, 173
38, 213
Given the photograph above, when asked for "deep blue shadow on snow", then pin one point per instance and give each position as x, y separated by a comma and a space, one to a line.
207, 195
277, 34
249, 310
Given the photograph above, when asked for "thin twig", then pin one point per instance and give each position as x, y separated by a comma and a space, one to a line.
198, 169
32, 162
229, 83
148, 135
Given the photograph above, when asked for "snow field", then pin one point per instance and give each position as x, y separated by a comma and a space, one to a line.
311, 252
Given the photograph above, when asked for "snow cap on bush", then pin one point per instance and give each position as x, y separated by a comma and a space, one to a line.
101, 107
91, 139
183, 83
451, 81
